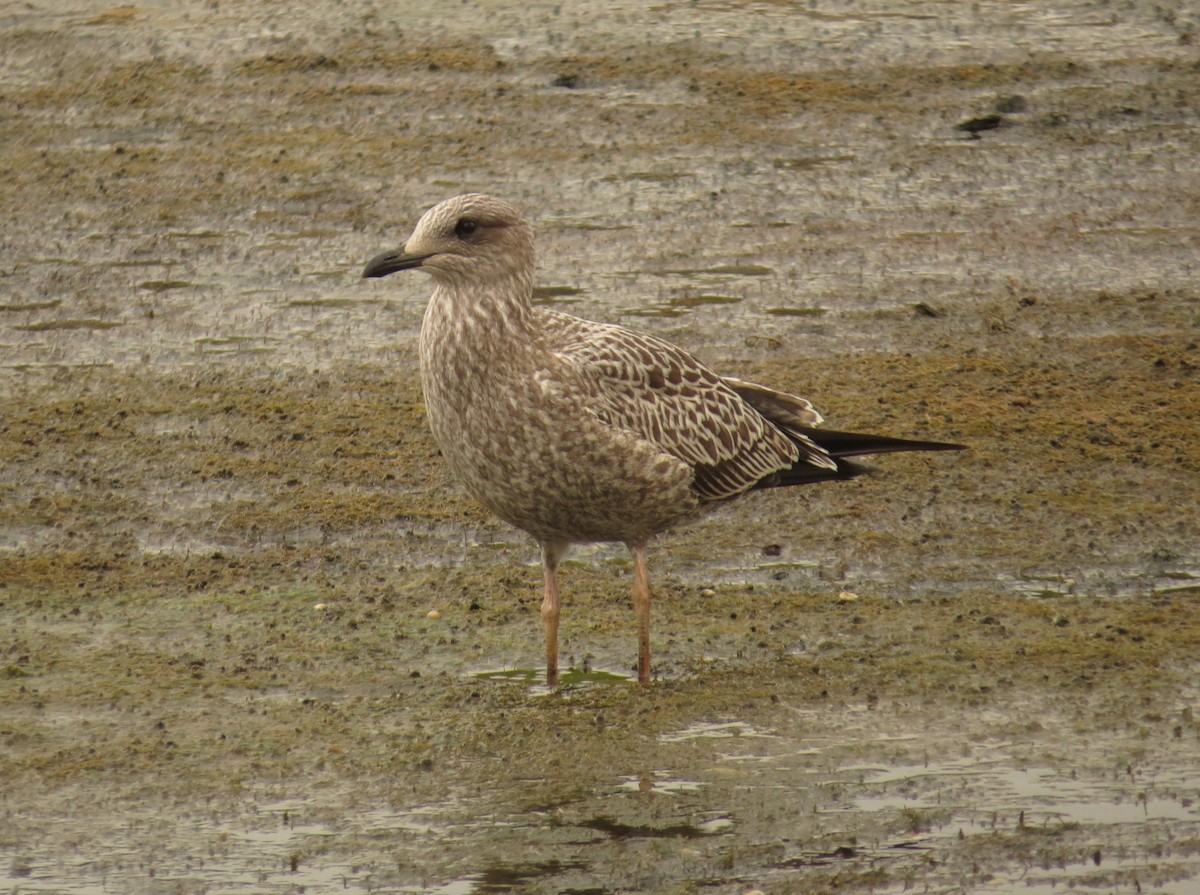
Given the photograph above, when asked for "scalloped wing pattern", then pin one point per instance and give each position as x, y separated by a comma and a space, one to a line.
664, 395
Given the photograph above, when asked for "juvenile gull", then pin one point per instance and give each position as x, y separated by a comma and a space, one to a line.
579, 432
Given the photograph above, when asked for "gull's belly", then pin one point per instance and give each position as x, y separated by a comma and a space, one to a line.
554, 470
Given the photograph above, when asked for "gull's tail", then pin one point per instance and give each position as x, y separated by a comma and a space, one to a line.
796, 418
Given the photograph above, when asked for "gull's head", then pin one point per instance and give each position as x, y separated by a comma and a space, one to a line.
470, 238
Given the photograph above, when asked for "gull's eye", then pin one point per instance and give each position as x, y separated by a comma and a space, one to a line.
465, 228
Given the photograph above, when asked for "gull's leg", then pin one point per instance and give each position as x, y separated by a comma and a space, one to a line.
551, 554
641, 606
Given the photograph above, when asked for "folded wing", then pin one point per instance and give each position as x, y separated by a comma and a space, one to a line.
661, 393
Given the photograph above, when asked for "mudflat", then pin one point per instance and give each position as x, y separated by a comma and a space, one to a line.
254, 639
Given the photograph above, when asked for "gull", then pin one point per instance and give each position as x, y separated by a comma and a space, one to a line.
581, 432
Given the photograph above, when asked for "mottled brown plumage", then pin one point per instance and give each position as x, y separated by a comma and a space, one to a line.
577, 431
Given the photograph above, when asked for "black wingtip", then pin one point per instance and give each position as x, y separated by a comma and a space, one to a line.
856, 444
840, 446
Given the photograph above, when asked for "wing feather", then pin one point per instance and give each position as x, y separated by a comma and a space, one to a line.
662, 394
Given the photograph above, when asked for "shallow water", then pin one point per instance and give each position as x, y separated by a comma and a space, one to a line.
755, 808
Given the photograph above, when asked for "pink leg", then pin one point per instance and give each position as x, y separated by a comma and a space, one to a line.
550, 606
641, 606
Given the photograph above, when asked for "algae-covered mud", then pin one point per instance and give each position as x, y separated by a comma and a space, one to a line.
253, 639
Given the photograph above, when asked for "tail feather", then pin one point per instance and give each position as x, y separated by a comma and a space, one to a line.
802, 473
840, 446
796, 418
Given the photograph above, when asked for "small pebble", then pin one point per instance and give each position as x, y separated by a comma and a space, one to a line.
1014, 104
974, 126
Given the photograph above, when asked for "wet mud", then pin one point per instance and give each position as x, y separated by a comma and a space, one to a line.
254, 639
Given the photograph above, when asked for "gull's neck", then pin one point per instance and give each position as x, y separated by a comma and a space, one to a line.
476, 331
498, 309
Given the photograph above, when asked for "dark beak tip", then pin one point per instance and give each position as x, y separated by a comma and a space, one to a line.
390, 262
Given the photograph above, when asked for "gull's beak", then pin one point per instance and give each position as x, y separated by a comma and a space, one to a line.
390, 262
